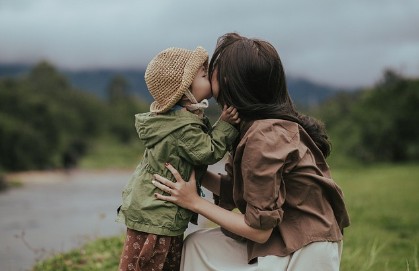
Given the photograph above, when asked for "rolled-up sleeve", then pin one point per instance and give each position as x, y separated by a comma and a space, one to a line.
264, 156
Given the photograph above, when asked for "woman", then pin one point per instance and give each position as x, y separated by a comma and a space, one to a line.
292, 213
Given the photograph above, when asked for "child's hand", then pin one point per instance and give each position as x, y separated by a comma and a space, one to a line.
230, 115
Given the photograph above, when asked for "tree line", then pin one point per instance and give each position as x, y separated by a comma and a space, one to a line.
377, 124
47, 123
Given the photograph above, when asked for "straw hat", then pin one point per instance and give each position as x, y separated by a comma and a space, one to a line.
169, 75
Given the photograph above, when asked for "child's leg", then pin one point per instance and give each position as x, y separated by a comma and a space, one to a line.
172, 262
144, 251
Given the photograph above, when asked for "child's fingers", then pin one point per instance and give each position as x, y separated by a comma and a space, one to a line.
235, 116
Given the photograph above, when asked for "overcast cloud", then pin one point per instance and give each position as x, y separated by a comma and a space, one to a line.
341, 43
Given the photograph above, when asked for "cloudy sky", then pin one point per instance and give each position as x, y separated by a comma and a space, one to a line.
340, 43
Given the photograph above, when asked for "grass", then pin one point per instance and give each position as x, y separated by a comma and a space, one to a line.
9, 183
108, 152
384, 236
101, 254
383, 203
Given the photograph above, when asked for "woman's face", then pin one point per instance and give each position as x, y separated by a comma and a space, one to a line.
214, 84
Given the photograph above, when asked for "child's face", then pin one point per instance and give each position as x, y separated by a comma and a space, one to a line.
201, 87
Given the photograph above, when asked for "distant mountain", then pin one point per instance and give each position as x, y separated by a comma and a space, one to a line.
307, 93
7, 70
93, 81
96, 81
302, 91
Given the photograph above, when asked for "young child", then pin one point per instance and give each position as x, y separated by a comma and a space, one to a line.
174, 130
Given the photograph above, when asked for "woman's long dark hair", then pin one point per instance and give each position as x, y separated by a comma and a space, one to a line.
252, 79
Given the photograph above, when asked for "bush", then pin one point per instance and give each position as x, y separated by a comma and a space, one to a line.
377, 124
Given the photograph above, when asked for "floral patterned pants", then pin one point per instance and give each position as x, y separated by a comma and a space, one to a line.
150, 252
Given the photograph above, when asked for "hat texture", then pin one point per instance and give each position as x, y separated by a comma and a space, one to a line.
170, 73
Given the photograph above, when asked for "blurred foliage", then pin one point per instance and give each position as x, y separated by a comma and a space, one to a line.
377, 124
109, 152
46, 123
122, 108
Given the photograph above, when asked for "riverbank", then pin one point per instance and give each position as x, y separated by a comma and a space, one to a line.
56, 211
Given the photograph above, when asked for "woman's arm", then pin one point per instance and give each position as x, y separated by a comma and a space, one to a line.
184, 194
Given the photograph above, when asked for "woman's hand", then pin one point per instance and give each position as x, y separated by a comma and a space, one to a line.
184, 194
181, 193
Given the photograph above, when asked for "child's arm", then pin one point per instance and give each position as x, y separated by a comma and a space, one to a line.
201, 148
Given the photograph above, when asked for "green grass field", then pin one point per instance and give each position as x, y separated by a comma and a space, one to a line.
383, 204
108, 152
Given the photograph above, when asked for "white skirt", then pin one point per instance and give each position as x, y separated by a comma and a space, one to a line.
211, 250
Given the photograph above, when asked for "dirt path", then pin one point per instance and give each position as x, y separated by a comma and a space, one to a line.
57, 211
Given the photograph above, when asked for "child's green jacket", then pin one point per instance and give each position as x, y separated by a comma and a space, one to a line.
185, 141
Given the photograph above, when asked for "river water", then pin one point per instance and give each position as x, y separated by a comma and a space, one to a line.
57, 211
